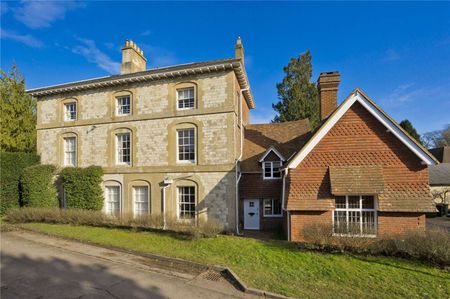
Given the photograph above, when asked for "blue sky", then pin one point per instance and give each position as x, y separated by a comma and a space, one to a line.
398, 53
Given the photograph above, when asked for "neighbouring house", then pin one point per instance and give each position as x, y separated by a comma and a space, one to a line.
440, 177
177, 140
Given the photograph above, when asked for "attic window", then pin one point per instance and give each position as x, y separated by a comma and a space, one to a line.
272, 170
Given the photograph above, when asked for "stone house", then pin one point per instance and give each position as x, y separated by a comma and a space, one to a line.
177, 141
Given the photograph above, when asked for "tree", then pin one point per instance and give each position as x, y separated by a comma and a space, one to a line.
17, 114
438, 138
408, 127
298, 97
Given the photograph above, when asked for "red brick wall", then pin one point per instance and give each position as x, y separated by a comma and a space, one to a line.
300, 220
399, 223
359, 139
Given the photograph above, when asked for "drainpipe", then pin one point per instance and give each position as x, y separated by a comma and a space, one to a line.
239, 175
285, 172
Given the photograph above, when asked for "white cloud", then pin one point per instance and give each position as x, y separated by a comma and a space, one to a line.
391, 55
89, 50
157, 57
40, 14
26, 39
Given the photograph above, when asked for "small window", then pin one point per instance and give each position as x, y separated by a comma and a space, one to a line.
251, 204
123, 105
272, 208
112, 194
186, 98
141, 202
70, 151
70, 111
123, 148
186, 145
272, 170
355, 216
186, 201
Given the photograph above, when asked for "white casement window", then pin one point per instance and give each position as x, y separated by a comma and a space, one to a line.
70, 151
70, 111
186, 145
355, 216
123, 104
185, 98
272, 170
112, 200
123, 148
272, 208
186, 202
141, 200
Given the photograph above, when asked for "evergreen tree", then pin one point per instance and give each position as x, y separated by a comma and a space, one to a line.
17, 114
408, 127
298, 97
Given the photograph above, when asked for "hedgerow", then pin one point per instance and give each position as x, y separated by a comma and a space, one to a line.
38, 188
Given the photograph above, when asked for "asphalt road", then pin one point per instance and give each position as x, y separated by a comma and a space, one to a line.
62, 269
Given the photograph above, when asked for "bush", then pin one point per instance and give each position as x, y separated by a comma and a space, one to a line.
11, 166
82, 188
96, 218
38, 189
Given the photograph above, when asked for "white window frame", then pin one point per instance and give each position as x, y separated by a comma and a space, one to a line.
271, 177
119, 212
360, 210
135, 202
119, 107
179, 218
119, 149
178, 146
68, 113
184, 99
272, 214
72, 151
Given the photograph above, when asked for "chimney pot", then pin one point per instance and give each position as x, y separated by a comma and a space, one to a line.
328, 84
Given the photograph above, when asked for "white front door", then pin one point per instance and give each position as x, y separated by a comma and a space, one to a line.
251, 214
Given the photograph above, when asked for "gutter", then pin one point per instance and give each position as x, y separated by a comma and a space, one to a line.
239, 175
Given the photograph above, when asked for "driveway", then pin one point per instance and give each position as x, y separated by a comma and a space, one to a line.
439, 223
35, 266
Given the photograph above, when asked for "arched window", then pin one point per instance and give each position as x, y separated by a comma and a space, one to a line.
123, 103
69, 108
113, 198
141, 198
186, 96
123, 146
69, 150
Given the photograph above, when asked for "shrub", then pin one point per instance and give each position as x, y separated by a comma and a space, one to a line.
96, 218
82, 188
38, 189
11, 166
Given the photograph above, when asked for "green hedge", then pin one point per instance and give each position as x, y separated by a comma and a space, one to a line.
82, 188
38, 188
11, 167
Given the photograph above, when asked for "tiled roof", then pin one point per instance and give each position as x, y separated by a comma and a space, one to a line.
355, 180
287, 138
439, 174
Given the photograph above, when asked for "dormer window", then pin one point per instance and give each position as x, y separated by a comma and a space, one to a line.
70, 111
123, 105
272, 169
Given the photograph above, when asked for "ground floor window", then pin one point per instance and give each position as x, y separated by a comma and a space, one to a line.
141, 200
272, 208
186, 202
112, 197
355, 215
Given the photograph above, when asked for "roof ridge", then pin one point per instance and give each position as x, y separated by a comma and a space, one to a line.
280, 123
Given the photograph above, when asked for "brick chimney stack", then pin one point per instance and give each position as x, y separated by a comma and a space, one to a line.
328, 84
239, 49
133, 59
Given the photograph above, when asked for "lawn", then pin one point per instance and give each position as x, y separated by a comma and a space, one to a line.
278, 266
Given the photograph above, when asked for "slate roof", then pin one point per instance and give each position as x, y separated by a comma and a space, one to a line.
286, 137
439, 174
441, 153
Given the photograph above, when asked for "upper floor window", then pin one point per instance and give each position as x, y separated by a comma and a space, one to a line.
272, 170
185, 98
70, 151
123, 104
355, 215
186, 202
70, 111
123, 148
186, 145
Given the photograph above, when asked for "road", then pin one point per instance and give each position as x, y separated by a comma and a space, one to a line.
56, 268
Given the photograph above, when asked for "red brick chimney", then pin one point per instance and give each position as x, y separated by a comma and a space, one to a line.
328, 84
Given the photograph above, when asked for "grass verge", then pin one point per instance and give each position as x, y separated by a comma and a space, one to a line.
279, 266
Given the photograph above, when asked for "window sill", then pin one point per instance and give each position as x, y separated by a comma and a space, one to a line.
271, 179
186, 163
273, 216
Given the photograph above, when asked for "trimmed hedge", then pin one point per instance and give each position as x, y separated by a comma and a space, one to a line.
11, 166
38, 188
82, 188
